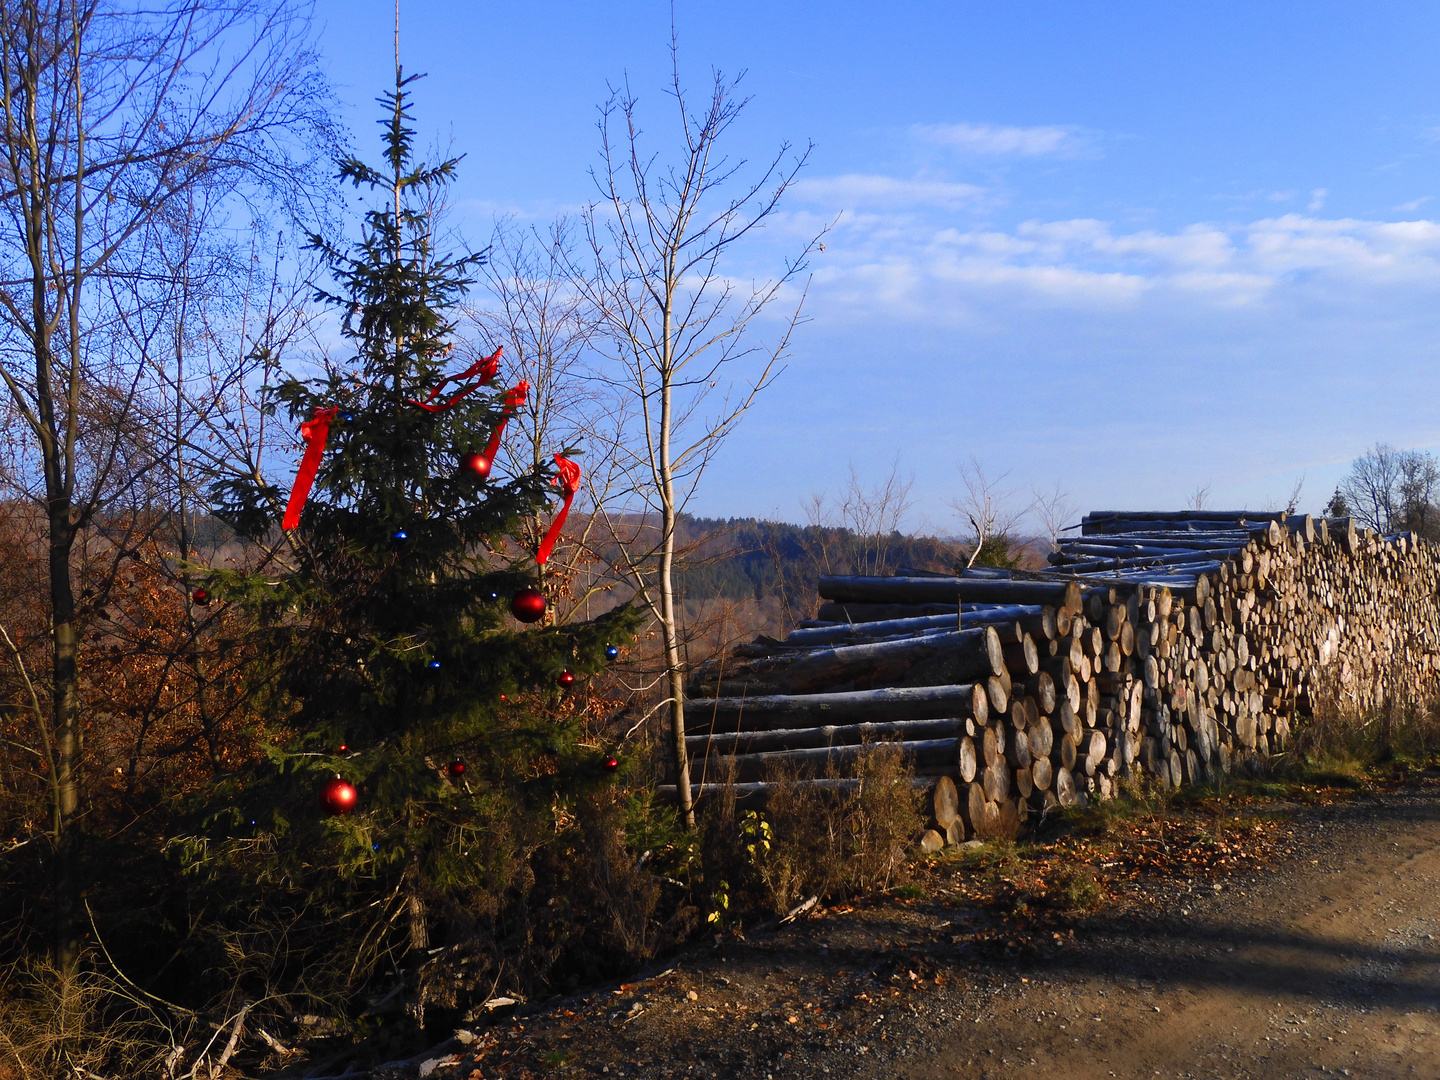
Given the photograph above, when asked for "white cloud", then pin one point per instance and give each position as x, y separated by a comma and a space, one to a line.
996, 140
1317, 199
1414, 204
886, 192
934, 269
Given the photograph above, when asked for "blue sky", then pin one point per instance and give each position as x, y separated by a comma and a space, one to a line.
1134, 248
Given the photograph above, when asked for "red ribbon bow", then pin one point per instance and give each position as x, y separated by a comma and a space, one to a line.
483, 370
315, 432
514, 398
569, 482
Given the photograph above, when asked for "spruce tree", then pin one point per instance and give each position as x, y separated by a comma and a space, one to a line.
398, 664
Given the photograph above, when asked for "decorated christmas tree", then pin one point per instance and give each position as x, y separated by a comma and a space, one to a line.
432, 739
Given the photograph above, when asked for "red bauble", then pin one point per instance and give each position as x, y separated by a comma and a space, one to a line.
343, 748
612, 764
478, 464
528, 605
338, 796
566, 679
201, 597
457, 768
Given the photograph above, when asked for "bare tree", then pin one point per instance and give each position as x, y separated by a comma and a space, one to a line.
989, 508
675, 325
1054, 510
545, 322
1197, 499
1419, 487
110, 115
1292, 503
1372, 487
853, 534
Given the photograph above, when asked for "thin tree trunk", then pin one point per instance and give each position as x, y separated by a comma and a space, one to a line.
68, 746
674, 668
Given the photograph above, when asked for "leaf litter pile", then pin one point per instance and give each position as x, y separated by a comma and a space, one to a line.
783, 1001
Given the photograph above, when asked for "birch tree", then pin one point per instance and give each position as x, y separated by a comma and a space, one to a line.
687, 354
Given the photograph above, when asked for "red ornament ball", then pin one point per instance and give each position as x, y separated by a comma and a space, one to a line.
566, 678
201, 597
457, 768
478, 464
528, 605
611, 764
338, 796
343, 747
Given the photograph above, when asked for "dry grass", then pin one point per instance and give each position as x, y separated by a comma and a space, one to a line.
89, 1024
807, 841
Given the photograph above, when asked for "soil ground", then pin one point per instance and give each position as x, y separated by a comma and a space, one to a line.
1291, 935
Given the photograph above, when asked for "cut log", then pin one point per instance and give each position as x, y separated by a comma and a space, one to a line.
997, 781
1070, 723
1065, 752
859, 632
757, 794
991, 746
1017, 749
1041, 774
998, 693
946, 802
972, 807
1022, 658
990, 826
979, 657
864, 613
750, 742
1095, 749
1042, 738
1011, 823
1065, 788
1043, 689
1024, 782
861, 706
893, 590
748, 768
935, 659
967, 759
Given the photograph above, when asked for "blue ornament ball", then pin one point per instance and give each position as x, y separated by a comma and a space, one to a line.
612, 651
433, 665
399, 536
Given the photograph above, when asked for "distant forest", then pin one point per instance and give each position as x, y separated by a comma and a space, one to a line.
748, 559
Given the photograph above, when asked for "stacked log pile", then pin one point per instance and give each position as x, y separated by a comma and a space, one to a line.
1171, 644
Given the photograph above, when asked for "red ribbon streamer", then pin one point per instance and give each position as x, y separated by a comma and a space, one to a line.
513, 400
314, 431
569, 482
483, 370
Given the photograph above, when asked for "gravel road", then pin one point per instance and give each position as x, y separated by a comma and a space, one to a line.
1324, 963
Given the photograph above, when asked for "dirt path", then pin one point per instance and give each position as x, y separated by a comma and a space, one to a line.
1326, 963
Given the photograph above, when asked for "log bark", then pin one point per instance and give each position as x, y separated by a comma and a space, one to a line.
929, 660
749, 768
893, 590
751, 742
856, 707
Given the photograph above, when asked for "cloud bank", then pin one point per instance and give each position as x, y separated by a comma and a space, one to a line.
995, 140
